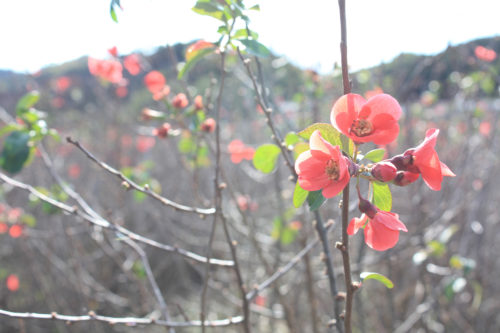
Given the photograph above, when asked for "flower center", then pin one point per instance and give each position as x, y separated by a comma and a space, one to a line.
361, 127
332, 170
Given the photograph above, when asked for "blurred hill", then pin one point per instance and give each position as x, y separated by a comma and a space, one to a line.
407, 77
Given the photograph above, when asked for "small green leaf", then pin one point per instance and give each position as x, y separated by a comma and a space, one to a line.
243, 33
255, 7
299, 195
375, 155
277, 226
112, 12
265, 157
376, 276
328, 132
10, 128
15, 152
382, 197
207, 8
291, 139
193, 59
29, 220
315, 200
27, 101
288, 235
255, 48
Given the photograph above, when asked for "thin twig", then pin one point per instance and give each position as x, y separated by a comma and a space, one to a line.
128, 321
320, 228
284, 269
151, 279
73, 210
267, 111
144, 189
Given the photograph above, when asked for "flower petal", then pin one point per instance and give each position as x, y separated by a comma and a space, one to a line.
381, 104
446, 171
356, 224
335, 187
390, 220
345, 110
320, 148
379, 237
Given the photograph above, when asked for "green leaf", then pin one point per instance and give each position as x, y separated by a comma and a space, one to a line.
27, 101
255, 48
299, 195
265, 157
10, 128
194, 58
291, 139
315, 200
376, 276
29, 220
255, 7
207, 8
276, 231
15, 152
382, 197
112, 12
328, 132
288, 235
375, 155
243, 33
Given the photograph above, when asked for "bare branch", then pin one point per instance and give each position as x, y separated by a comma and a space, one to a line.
73, 210
128, 321
143, 189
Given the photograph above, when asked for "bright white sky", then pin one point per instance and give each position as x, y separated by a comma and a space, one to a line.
36, 33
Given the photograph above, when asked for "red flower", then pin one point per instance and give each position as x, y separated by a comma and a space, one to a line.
162, 93
322, 167
180, 101
121, 91
208, 125
154, 81
132, 64
16, 231
199, 45
62, 84
198, 102
109, 70
12, 282
239, 151
384, 171
375, 120
485, 54
113, 51
162, 131
144, 143
382, 229
424, 159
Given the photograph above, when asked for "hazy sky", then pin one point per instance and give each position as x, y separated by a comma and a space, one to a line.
35, 33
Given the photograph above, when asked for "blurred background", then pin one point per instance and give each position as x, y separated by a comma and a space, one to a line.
444, 269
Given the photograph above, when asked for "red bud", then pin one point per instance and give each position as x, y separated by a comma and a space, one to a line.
384, 171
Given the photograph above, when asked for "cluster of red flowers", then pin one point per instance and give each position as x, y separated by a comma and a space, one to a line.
324, 167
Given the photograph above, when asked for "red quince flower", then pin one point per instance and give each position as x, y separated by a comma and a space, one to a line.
163, 130
154, 81
12, 282
62, 84
132, 64
382, 229
180, 101
424, 159
239, 151
109, 70
485, 54
113, 51
162, 93
384, 171
322, 167
198, 103
208, 125
373, 120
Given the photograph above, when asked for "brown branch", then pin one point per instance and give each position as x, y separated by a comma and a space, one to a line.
344, 246
144, 189
128, 321
267, 111
284, 269
73, 210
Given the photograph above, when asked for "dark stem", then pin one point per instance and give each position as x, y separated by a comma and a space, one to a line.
320, 228
344, 247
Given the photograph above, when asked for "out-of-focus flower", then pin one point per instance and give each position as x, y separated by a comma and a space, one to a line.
180, 101
485, 54
154, 81
12, 282
198, 102
132, 64
162, 131
109, 70
208, 125
113, 51
144, 143
239, 151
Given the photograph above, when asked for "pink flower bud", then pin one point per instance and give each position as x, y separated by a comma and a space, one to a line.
404, 178
384, 171
367, 207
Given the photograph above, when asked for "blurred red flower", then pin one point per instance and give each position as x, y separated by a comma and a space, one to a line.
239, 151
482, 53
375, 120
180, 101
12, 282
109, 70
154, 81
113, 51
62, 84
132, 64
16, 231
144, 143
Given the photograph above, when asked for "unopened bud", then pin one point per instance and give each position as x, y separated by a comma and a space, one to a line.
404, 178
401, 162
384, 171
367, 207
353, 168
